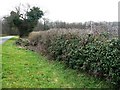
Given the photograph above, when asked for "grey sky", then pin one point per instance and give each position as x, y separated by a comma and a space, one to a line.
69, 10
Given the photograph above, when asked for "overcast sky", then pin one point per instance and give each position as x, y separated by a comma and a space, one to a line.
69, 10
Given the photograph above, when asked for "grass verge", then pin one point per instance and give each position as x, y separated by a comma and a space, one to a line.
26, 69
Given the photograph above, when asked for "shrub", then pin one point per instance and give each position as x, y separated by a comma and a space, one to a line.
22, 42
95, 55
98, 58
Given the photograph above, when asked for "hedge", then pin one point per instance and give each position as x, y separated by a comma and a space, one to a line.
93, 54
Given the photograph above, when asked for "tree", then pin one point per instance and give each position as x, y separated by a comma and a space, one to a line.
0, 26
25, 22
8, 26
46, 23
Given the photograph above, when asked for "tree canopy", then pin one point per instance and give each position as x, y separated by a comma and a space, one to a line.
24, 22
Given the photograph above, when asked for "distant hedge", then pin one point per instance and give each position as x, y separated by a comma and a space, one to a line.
93, 54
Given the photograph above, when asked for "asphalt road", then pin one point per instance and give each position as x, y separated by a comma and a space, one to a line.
3, 39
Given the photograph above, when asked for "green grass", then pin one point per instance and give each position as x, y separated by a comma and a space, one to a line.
0, 66
26, 69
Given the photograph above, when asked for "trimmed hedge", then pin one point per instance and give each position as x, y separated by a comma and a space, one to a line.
93, 54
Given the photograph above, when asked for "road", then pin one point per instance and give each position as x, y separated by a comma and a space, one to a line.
3, 39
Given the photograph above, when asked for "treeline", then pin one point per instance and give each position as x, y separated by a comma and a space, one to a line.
7, 29
110, 27
80, 25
